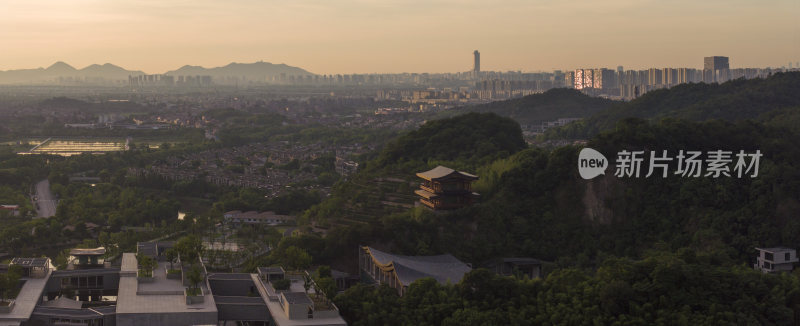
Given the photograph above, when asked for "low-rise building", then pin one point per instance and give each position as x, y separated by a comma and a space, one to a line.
400, 271
12, 210
252, 217
777, 259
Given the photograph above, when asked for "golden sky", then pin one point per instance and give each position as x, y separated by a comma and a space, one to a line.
362, 36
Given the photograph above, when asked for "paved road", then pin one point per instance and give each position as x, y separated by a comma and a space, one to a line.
45, 200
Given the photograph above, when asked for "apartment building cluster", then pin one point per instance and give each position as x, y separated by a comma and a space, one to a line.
169, 81
629, 84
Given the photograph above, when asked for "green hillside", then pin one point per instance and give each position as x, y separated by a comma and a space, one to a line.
385, 185
548, 106
639, 251
477, 138
734, 100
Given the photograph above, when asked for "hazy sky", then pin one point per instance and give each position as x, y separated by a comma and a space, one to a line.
362, 36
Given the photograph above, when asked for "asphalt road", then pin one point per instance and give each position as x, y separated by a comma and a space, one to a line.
45, 200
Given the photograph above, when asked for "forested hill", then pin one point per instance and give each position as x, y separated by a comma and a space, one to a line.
624, 250
464, 142
467, 140
548, 106
734, 100
618, 251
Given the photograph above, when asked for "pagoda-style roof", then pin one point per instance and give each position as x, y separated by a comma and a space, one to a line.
88, 251
442, 172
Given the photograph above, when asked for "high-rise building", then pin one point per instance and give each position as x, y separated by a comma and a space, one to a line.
569, 79
584, 78
687, 75
669, 76
477, 67
716, 63
654, 77
715, 69
604, 79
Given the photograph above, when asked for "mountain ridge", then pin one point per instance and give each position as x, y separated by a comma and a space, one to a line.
61, 69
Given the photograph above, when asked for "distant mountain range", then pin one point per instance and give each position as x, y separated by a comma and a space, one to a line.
251, 71
60, 70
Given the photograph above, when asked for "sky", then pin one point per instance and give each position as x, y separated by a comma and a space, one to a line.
393, 36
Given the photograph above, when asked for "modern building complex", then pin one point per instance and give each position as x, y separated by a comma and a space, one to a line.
445, 188
92, 292
778, 259
400, 271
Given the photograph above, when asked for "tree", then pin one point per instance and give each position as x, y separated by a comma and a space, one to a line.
189, 248
62, 260
9, 282
282, 284
171, 254
306, 282
195, 276
146, 265
328, 287
324, 271
295, 258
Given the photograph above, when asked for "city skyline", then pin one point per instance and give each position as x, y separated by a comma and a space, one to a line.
395, 37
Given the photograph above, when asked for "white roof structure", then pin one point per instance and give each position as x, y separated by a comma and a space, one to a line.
444, 268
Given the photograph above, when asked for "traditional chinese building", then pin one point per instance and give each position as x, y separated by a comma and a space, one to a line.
445, 188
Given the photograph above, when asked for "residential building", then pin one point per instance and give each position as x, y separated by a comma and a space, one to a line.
13, 210
777, 259
715, 69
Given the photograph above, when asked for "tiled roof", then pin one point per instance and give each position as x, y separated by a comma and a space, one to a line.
441, 172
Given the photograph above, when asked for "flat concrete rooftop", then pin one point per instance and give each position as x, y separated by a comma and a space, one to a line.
26, 301
161, 296
278, 314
